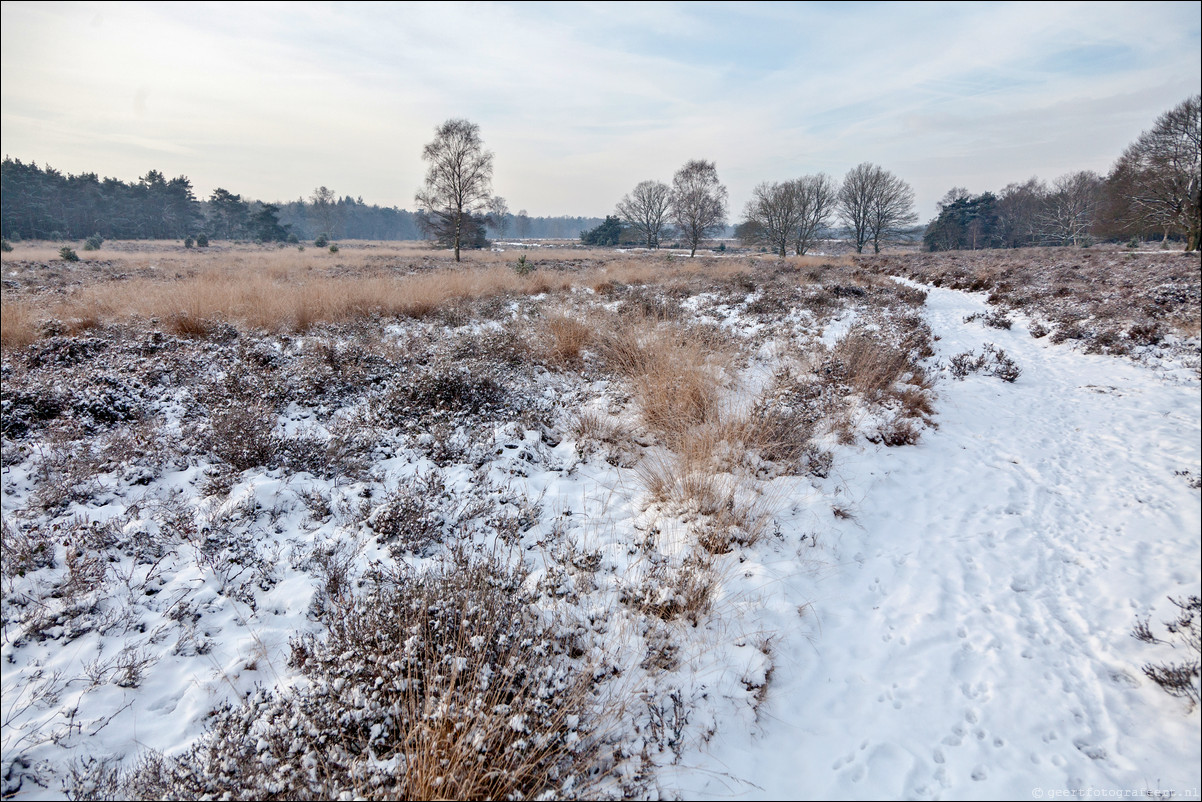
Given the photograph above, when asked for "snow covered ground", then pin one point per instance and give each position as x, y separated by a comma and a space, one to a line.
968, 633
950, 619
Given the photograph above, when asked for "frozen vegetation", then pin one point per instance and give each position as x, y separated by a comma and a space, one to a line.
621, 526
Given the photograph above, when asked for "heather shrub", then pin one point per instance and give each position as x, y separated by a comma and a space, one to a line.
439, 684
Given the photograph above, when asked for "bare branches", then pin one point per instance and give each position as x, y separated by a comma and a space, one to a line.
646, 210
1067, 213
775, 212
817, 195
698, 202
874, 204
458, 180
1160, 174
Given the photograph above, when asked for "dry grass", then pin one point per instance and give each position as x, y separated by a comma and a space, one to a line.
565, 337
287, 289
18, 324
192, 305
873, 366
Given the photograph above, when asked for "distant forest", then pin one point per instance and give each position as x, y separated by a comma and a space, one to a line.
43, 203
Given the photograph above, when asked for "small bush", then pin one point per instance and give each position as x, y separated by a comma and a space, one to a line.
992, 361
333, 249
1145, 334
321, 241
293, 239
202, 241
523, 266
409, 521
898, 432
1038, 330
25, 551
441, 391
67, 254
93, 243
1179, 678
445, 684
243, 437
189, 242
994, 318
4, 246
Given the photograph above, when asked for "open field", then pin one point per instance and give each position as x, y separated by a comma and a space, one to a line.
290, 524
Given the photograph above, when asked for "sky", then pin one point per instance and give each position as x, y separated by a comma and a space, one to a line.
579, 102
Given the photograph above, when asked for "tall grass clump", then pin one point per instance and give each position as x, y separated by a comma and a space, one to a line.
872, 364
18, 327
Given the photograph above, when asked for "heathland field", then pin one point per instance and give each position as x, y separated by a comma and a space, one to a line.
568, 523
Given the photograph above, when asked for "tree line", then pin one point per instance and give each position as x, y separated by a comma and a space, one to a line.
1153, 191
44, 203
1155, 187
873, 205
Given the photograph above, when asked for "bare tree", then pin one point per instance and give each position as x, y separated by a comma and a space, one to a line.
855, 202
817, 194
892, 209
774, 213
498, 214
458, 180
523, 224
1068, 211
645, 210
1160, 174
1018, 209
875, 204
698, 206
323, 205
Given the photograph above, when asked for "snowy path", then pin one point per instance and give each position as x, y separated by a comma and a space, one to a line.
970, 634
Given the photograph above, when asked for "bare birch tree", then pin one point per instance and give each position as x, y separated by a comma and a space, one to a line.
324, 208
774, 213
645, 210
698, 206
498, 215
817, 194
458, 181
1068, 211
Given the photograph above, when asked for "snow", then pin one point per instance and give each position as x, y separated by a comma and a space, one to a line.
968, 632
946, 620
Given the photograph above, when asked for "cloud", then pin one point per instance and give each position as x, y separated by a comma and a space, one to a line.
582, 101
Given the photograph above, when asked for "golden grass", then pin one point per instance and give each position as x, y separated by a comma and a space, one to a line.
812, 260
285, 288
293, 299
873, 366
565, 337
18, 324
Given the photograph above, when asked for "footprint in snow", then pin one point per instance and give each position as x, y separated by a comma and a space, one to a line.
1090, 751
1123, 679
1021, 584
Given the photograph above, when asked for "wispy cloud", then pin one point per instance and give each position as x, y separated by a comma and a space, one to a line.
581, 101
